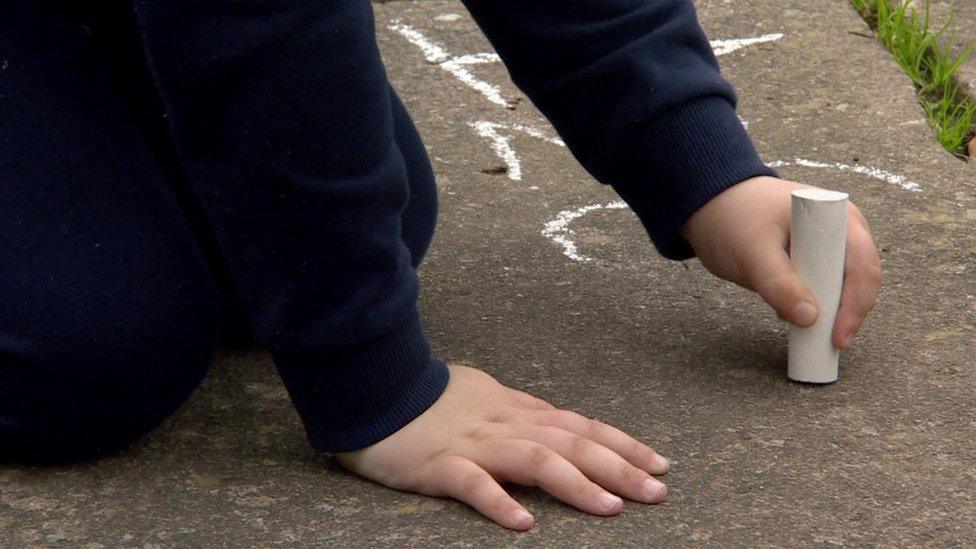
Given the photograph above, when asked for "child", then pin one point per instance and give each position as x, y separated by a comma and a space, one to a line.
162, 157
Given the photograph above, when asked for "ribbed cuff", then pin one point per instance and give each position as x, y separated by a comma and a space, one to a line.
353, 397
682, 159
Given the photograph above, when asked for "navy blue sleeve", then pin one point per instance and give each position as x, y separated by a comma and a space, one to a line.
634, 89
281, 112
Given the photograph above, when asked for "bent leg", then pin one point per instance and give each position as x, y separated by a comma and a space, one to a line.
420, 216
108, 315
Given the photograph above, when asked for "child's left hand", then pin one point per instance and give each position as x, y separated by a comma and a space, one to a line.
742, 235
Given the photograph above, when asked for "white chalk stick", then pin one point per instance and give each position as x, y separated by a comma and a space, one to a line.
818, 239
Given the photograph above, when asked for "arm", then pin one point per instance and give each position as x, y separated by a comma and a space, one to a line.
281, 114
635, 91
633, 88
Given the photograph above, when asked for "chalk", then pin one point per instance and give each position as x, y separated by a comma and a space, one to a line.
557, 229
877, 173
722, 47
818, 238
502, 146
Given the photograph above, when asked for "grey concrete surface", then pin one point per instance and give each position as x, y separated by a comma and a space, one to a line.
693, 366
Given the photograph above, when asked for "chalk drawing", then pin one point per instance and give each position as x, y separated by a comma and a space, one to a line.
877, 173
722, 47
499, 134
454, 65
557, 229
435, 53
500, 142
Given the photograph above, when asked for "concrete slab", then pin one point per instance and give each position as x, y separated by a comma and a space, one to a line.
539, 278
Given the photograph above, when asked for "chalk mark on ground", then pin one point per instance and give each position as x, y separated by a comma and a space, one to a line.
877, 173
455, 65
558, 230
500, 142
499, 137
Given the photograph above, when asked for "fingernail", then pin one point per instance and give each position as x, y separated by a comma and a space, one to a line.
654, 489
804, 314
522, 518
610, 502
662, 463
847, 341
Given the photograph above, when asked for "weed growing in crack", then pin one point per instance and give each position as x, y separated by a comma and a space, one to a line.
929, 62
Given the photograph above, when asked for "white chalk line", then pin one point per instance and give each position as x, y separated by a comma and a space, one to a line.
877, 173
454, 65
557, 229
435, 53
722, 47
500, 142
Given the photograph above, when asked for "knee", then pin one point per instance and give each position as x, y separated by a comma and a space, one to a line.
96, 385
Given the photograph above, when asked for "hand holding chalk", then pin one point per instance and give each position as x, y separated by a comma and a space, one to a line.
743, 235
818, 236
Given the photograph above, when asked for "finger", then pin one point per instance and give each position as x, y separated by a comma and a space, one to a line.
862, 280
599, 463
533, 464
620, 442
771, 274
529, 401
464, 481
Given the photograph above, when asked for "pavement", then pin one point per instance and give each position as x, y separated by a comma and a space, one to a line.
540, 278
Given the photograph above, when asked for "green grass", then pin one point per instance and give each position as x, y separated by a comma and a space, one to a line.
926, 57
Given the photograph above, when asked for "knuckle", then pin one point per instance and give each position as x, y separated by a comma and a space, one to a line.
581, 487
539, 456
776, 285
498, 417
480, 433
636, 447
565, 417
542, 404
592, 427
874, 275
631, 474
501, 503
470, 482
580, 445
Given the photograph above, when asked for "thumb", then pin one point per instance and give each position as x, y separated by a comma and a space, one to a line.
772, 276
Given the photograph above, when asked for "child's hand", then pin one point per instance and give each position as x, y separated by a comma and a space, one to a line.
480, 432
743, 234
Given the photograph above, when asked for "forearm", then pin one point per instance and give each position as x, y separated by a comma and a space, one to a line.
635, 91
282, 118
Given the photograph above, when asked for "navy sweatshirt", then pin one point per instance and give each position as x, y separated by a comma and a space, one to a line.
281, 113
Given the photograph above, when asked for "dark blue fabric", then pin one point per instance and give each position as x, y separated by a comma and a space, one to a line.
109, 312
634, 89
108, 316
162, 160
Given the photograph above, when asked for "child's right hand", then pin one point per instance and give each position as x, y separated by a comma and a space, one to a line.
480, 432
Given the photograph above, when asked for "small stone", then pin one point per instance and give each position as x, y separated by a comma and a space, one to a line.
207, 482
